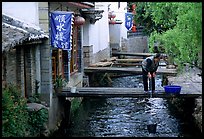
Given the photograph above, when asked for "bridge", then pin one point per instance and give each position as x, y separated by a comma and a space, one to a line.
129, 70
133, 54
123, 92
108, 67
132, 66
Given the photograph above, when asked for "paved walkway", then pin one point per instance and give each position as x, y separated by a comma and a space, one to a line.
190, 80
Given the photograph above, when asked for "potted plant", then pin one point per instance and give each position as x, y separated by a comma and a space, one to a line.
59, 83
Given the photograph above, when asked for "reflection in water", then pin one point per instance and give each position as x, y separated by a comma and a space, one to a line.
123, 117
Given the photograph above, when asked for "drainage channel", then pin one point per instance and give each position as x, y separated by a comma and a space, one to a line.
127, 117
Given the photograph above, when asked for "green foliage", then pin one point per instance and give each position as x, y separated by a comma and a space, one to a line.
37, 119
60, 82
177, 26
17, 120
14, 113
155, 16
34, 99
75, 103
143, 19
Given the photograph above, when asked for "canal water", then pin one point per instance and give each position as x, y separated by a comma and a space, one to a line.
127, 117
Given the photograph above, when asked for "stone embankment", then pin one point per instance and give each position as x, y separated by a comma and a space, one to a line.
190, 80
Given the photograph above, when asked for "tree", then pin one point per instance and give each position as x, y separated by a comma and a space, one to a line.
177, 26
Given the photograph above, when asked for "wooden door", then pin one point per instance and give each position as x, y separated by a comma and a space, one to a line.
74, 51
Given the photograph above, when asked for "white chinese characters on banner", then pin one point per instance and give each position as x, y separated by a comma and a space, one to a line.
128, 20
61, 30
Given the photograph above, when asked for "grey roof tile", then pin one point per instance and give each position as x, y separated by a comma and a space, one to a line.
16, 32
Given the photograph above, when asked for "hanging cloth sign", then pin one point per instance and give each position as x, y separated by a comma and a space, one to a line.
128, 20
61, 29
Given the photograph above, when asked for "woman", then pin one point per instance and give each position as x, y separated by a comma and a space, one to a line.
149, 68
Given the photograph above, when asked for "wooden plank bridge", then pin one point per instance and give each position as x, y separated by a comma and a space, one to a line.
134, 54
132, 66
108, 67
130, 70
123, 92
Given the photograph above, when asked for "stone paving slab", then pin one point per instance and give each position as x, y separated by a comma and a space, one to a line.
189, 80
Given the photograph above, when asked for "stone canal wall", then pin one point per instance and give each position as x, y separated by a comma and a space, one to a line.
190, 80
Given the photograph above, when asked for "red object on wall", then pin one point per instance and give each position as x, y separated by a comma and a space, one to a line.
133, 6
112, 21
134, 29
78, 20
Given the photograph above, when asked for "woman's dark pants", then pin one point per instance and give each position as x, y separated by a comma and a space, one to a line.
145, 80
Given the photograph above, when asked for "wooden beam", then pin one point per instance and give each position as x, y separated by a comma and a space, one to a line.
131, 70
132, 54
127, 64
132, 64
135, 54
133, 60
101, 64
129, 60
122, 92
78, 5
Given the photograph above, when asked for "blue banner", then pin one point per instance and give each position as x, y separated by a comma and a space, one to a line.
128, 20
61, 29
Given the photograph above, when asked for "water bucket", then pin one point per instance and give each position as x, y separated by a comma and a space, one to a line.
152, 128
73, 89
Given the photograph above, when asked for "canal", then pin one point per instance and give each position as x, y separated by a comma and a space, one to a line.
128, 117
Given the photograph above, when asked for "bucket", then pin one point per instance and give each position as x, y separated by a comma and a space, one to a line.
152, 128
73, 89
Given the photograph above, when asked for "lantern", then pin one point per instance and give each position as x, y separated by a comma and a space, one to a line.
78, 20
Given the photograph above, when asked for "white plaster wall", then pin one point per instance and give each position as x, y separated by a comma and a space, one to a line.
120, 15
24, 11
101, 36
115, 33
85, 40
97, 34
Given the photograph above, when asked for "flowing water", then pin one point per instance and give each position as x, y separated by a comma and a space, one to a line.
127, 117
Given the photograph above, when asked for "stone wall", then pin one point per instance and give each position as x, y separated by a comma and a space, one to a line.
101, 55
46, 69
90, 58
189, 80
57, 106
198, 113
11, 67
20, 68
137, 44
87, 55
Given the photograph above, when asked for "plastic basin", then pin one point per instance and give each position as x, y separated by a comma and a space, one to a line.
172, 89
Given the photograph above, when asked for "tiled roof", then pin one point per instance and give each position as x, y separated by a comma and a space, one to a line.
15, 32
